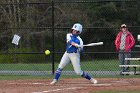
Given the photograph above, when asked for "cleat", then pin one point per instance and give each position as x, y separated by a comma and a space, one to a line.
53, 82
93, 81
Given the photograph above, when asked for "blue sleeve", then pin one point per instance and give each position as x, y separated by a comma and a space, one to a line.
70, 41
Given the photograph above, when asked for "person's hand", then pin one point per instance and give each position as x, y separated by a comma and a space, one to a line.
74, 44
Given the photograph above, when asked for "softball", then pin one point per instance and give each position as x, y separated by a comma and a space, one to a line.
47, 52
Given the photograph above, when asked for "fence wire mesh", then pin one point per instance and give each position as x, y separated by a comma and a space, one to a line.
44, 24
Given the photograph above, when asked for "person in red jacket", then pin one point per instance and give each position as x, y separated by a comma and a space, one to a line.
124, 42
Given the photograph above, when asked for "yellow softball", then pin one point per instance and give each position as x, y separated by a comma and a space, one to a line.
47, 52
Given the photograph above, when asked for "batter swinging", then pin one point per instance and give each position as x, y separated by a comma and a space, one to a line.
72, 55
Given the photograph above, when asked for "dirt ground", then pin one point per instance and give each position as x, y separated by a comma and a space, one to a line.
76, 85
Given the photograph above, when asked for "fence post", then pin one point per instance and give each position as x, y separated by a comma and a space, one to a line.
53, 51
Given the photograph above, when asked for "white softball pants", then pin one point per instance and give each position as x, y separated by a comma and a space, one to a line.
74, 58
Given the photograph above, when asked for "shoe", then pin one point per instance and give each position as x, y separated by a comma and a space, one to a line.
93, 81
53, 82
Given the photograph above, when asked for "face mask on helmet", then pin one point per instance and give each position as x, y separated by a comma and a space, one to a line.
77, 27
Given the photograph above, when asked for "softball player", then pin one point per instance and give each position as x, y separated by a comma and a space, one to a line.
72, 54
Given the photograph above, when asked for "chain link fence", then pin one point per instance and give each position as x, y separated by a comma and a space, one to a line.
44, 24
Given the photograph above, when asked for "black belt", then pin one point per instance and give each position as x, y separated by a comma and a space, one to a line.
71, 52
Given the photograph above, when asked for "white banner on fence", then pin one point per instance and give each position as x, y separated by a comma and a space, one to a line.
16, 39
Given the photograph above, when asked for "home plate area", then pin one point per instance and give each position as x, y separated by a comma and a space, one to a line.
76, 85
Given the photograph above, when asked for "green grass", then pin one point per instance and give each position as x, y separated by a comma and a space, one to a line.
95, 65
25, 67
